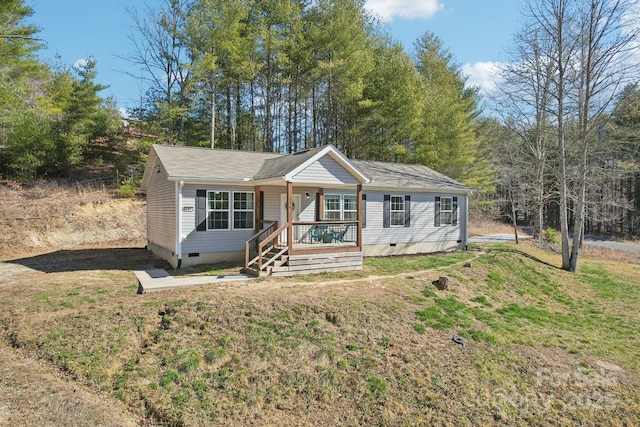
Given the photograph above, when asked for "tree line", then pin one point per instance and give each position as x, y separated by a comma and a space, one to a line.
49, 113
286, 75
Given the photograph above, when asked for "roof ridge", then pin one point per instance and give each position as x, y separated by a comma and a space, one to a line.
208, 149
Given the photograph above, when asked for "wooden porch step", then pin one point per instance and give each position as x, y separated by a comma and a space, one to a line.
288, 271
329, 258
319, 263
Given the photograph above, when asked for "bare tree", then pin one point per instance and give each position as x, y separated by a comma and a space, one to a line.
603, 46
159, 51
524, 101
570, 65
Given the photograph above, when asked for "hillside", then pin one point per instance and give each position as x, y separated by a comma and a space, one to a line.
542, 346
46, 216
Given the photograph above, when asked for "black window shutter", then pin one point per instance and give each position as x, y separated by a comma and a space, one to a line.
364, 210
437, 215
407, 211
318, 207
454, 214
386, 219
201, 210
262, 205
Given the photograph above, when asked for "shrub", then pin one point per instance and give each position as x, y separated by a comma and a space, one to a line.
551, 236
128, 188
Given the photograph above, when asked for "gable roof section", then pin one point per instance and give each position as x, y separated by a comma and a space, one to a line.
409, 176
283, 164
288, 166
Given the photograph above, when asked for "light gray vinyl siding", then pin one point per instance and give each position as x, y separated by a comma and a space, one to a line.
161, 209
211, 240
308, 212
272, 202
326, 171
422, 227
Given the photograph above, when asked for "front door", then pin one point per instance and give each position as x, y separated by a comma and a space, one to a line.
295, 215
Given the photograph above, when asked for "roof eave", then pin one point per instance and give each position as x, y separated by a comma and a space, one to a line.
209, 180
419, 189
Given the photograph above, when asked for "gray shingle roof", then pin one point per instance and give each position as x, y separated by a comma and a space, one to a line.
208, 164
284, 164
193, 163
410, 176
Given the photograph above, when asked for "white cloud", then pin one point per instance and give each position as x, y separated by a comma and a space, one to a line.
484, 75
80, 63
388, 9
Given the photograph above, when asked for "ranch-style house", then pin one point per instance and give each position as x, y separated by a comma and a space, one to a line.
282, 214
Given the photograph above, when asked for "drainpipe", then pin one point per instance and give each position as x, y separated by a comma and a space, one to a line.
179, 186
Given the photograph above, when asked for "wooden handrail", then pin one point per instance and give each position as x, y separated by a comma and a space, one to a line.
271, 237
268, 240
255, 237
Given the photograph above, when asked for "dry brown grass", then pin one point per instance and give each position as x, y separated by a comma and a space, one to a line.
482, 227
302, 352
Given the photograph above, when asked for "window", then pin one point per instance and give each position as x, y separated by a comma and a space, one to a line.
349, 207
332, 207
218, 210
397, 211
340, 207
243, 210
446, 211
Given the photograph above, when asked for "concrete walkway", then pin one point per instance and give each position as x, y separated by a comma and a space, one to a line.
157, 279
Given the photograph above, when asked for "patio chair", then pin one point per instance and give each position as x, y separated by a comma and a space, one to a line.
338, 236
318, 233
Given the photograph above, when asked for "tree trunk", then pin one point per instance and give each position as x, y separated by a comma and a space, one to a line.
212, 130
514, 217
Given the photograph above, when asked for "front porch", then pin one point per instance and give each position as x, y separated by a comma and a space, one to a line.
286, 242
315, 247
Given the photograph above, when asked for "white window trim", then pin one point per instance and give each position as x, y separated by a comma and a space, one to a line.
450, 211
355, 199
325, 210
342, 209
233, 210
391, 210
209, 211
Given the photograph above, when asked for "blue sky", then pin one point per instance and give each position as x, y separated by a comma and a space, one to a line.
476, 32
